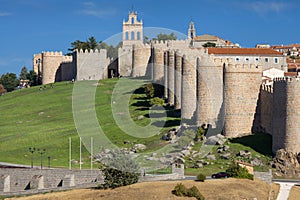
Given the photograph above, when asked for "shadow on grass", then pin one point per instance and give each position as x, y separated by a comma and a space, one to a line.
260, 142
169, 123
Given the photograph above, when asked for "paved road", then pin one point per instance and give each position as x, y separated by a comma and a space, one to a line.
285, 188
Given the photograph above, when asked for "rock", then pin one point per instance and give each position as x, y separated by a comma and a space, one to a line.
215, 140
154, 154
138, 147
198, 165
226, 147
225, 156
126, 142
211, 157
256, 162
244, 153
185, 152
140, 117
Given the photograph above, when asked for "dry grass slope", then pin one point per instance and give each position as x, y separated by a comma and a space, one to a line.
295, 193
233, 189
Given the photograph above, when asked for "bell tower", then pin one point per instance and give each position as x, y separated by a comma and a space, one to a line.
191, 31
132, 30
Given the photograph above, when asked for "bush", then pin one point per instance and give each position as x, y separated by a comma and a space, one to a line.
237, 171
149, 90
116, 178
201, 177
157, 101
181, 190
194, 192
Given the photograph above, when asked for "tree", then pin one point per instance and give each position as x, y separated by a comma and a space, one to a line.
209, 44
32, 77
92, 43
24, 73
164, 37
9, 81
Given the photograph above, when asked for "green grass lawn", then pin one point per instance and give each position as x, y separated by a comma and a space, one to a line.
44, 119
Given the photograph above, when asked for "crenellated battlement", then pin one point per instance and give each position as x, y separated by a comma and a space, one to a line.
52, 53
243, 68
81, 51
267, 88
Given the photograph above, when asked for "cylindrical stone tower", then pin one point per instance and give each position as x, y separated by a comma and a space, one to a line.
210, 92
188, 90
178, 77
166, 63
242, 84
50, 64
292, 137
171, 76
158, 65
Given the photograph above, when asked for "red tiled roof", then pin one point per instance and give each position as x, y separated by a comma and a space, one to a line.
243, 51
290, 73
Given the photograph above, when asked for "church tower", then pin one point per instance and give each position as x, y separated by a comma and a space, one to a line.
132, 30
191, 31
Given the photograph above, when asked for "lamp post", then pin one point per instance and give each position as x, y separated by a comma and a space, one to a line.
31, 150
49, 161
41, 152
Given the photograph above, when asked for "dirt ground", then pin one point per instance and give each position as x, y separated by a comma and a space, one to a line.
294, 193
233, 189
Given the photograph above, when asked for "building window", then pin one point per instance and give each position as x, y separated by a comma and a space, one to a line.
132, 35
237, 59
132, 20
275, 60
256, 59
126, 36
247, 59
138, 36
266, 60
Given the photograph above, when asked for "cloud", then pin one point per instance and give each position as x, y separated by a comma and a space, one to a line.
91, 9
3, 14
264, 7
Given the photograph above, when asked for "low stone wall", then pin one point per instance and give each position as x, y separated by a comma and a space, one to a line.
163, 177
16, 181
264, 176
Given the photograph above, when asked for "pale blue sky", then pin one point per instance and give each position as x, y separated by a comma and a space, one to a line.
31, 26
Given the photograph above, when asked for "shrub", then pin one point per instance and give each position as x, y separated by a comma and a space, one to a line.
201, 177
237, 171
181, 190
194, 192
116, 178
149, 89
200, 134
157, 101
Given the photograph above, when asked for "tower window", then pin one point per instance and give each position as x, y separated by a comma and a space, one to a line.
138, 35
126, 36
132, 20
275, 60
132, 35
266, 60
247, 59
237, 59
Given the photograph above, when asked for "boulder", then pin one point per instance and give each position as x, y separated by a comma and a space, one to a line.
225, 156
215, 140
211, 157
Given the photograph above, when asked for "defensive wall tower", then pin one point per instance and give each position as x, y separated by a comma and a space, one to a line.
51, 61
266, 108
178, 78
166, 64
242, 85
141, 56
286, 109
91, 65
188, 90
210, 92
171, 77
158, 65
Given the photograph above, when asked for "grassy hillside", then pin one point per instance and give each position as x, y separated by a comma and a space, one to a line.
44, 119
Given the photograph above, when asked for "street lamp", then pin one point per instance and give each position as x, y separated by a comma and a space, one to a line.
49, 162
31, 150
41, 152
